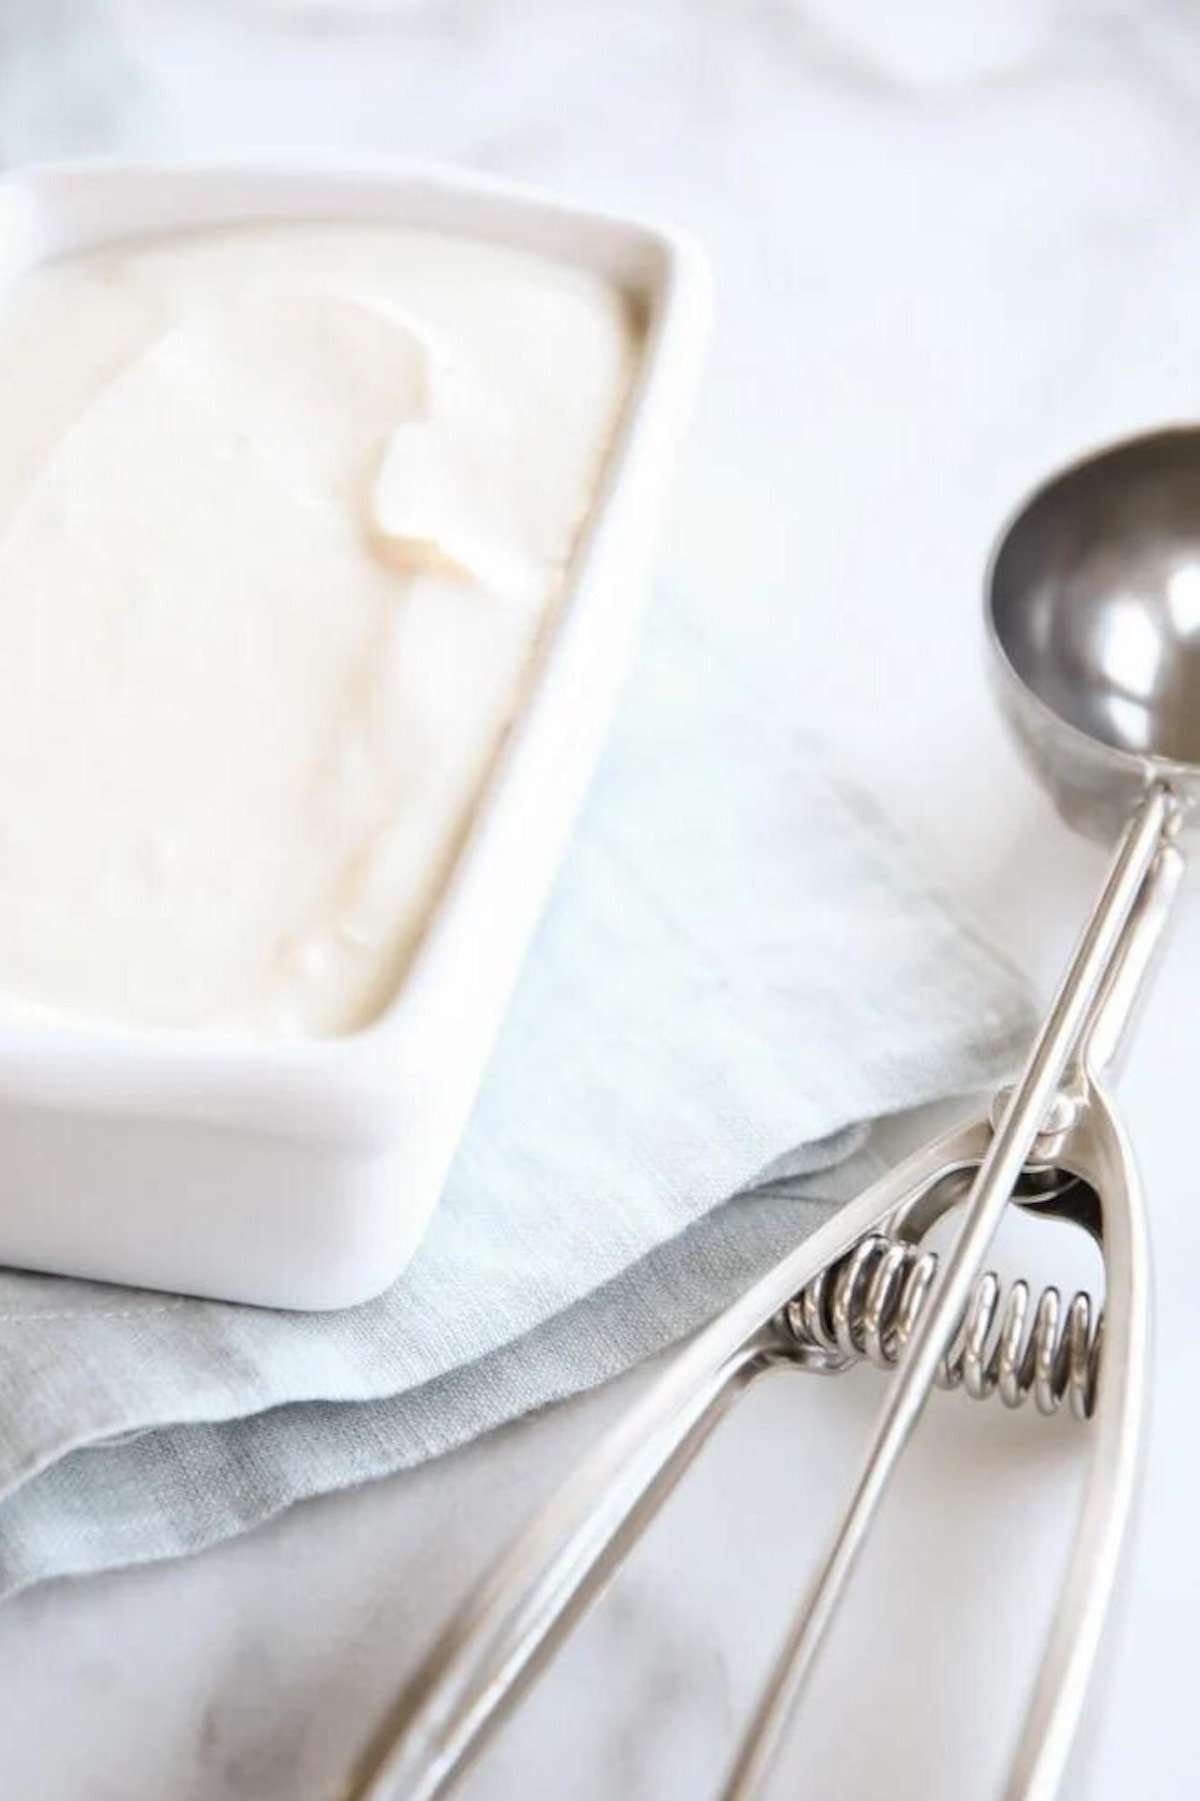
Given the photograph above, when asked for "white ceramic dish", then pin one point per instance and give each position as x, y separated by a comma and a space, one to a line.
303, 1175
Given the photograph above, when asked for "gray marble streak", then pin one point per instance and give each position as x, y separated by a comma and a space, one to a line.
67, 80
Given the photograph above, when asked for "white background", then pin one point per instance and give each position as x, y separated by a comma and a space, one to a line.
955, 244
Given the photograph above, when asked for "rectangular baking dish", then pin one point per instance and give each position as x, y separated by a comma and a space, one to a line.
303, 1174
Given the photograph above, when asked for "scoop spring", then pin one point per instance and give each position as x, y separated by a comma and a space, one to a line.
863, 1308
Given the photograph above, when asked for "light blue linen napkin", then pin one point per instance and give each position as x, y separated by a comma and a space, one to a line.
739, 967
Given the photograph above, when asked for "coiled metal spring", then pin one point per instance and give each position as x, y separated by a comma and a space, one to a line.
864, 1307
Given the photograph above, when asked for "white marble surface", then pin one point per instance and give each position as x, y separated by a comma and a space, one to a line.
954, 244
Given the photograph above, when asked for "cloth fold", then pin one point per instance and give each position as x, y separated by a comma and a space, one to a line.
738, 970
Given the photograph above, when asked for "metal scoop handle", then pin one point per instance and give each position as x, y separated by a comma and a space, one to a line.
506, 1632
1088, 1015
502, 1637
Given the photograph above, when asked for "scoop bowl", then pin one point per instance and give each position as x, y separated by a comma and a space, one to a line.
1093, 611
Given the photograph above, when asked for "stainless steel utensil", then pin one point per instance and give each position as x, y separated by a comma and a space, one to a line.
1093, 620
